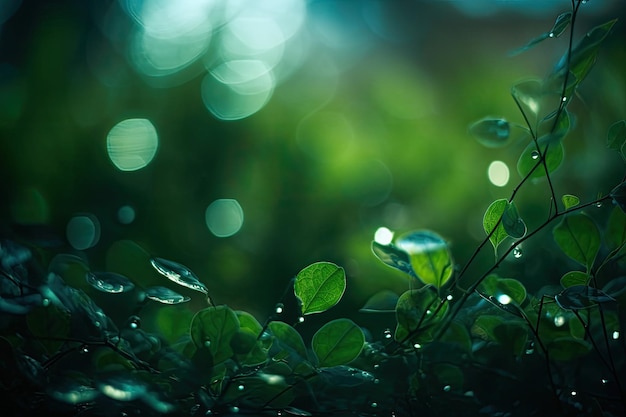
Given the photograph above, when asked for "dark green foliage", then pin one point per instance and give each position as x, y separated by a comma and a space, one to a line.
556, 350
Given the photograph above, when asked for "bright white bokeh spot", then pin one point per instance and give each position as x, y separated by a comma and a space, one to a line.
224, 217
132, 144
126, 214
615, 335
83, 231
559, 320
383, 236
498, 173
504, 299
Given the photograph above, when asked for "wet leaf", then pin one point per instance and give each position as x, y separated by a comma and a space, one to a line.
417, 312
561, 23
491, 221
582, 57
491, 132
579, 297
164, 295
319, 287
579, 238
109, 282
179, 274
553, 154
213, 328
573, 278
393, 257
429, 255
504, 290
338, 342
615, 234
570, 201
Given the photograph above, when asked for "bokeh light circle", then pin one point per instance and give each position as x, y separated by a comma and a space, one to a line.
224, 217
132, 144
83, 231
498, 173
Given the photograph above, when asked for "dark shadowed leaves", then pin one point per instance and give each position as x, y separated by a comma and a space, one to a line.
164, 295
618, 194
617, 137
579, 297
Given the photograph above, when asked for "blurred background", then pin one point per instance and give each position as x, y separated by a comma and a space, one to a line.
247, 139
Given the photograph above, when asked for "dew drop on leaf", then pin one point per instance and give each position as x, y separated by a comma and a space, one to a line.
534, 155
241, 387
599, 204
374, 405
559, 320
234, 409
45, 302
604, 381
84, 349
615, 335
517, 252
387, 334
279, 308
417, 346
447, 388
134, 322
301, 319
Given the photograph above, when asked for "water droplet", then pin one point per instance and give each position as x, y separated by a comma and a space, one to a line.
179, 274
551, 34
96, 323
207, 343
387, 334
563, 99
374, 405
241, 387
417, 346
84, 349
376, 366
615, 335
599, 204
234, 409
208, 412
534, 155
279, 308
574, 393
604, 381
134, 322
45, 302
376, 381
559, 320
517, 252
449, 297
447, 388
301, 319
279, 413
428, 312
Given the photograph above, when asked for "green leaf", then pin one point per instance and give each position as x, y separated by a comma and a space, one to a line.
213, 328
617, 137
572, 278
319, 286
570, 201
457, 334
484, 326
430, 257
491, 132
579, 238
553, 154
249, 322
490, 220
418, 311
561, 23
531, 99
288, 338
618, 194
567, 348
503, 289
393, 257
338, 342
512, 222
616, 229
581, 59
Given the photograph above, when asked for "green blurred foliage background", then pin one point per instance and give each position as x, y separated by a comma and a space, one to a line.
362, 124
